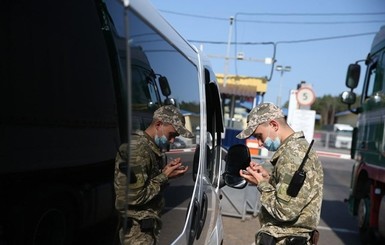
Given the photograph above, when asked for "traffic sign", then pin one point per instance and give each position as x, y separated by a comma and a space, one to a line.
305, 96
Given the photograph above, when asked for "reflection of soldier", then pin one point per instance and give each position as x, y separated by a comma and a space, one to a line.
286, 218
141, 204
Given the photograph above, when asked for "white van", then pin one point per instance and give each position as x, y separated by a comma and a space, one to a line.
337, 135
343, 135
67, 106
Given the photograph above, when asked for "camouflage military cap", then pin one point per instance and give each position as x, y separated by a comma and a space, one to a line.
258, 115
170, 114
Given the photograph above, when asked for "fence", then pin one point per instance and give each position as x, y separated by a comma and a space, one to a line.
330, 139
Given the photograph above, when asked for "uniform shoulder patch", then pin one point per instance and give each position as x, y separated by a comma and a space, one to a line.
282, 188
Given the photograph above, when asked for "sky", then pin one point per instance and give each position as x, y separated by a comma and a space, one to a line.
316, 39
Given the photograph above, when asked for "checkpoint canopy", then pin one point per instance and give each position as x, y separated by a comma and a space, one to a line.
242, 86
238, 89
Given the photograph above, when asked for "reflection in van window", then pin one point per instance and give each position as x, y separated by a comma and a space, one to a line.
155, 57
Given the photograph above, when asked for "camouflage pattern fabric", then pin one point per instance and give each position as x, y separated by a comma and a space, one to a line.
136, 237
282, 215
258, 115
144, 199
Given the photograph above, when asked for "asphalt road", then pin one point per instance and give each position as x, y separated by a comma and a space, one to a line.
337, 226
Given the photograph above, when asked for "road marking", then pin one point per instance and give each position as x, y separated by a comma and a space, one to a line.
340, 230
182, 150
329, 154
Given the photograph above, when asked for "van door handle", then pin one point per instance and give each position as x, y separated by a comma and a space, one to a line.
203, 215
194, 222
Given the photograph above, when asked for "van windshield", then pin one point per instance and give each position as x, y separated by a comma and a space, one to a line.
344, 132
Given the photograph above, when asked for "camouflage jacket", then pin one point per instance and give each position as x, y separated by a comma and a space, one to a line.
144, 194
282, 215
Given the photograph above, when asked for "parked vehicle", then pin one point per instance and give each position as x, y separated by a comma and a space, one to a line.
343, 136
178, 144
76, 78
338, 135
367, 194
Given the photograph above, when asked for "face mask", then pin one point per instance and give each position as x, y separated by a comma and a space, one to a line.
162, 141
271, 145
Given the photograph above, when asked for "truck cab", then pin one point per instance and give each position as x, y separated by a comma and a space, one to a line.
367, 190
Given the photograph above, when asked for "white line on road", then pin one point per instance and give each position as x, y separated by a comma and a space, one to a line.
341, 230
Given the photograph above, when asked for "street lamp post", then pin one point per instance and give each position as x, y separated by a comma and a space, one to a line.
281, 69
228, 52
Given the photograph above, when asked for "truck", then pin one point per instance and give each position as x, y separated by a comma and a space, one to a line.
367, 187
76, 78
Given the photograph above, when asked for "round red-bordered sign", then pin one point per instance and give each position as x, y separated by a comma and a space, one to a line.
305, 96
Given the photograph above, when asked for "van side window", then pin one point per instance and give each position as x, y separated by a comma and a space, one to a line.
214, 125
152, 57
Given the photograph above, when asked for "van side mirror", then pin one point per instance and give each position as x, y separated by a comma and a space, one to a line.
353, 76
237, 158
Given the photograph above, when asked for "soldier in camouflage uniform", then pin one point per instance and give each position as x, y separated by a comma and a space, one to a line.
140, 204
284, 219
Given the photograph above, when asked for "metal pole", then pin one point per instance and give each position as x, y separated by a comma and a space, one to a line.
227, 58
280, 90
281, 69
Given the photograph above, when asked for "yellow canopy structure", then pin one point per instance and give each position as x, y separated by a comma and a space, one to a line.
241, 85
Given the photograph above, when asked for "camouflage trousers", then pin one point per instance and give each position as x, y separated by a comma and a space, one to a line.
135, 235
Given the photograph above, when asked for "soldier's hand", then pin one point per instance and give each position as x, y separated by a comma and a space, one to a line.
174, 168
259, 169
254, 174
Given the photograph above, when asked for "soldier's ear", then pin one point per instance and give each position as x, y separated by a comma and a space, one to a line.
275, 124
158, 123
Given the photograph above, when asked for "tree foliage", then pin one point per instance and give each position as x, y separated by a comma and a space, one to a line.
327, 106
189, 106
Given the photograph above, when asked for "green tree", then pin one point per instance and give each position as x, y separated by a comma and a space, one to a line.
327, 106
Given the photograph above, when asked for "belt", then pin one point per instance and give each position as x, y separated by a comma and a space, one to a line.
267, 239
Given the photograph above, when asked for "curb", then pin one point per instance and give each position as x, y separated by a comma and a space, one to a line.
182, 150
334, 155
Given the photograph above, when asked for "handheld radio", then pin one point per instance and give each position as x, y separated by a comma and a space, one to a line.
299, 176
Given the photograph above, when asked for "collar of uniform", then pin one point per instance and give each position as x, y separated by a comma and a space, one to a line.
149, 140
151, 143
277, 154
